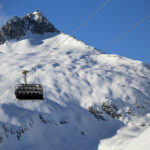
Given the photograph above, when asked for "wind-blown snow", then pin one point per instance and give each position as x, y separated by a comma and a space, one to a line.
75, 77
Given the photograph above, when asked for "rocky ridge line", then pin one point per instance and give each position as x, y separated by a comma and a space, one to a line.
16, 27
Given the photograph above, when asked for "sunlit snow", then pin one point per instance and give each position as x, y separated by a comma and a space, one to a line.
74, 77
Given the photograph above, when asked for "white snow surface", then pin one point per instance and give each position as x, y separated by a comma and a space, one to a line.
38, 17
74, 77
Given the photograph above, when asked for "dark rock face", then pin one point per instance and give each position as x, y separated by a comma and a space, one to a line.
17, 27
13, 29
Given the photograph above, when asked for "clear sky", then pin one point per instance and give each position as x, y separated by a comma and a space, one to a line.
105, 27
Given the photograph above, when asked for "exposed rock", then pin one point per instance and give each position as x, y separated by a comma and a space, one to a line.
63, 122
17, 27
82, 133
18, 131
42, 119
97, 114
111, 110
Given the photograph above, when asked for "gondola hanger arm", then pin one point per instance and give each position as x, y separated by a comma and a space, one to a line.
25, 72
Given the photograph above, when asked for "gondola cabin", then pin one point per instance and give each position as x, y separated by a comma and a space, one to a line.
28, 91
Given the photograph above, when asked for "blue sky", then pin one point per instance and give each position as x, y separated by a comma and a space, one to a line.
105, 27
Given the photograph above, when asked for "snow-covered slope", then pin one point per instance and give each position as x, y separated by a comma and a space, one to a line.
92, 100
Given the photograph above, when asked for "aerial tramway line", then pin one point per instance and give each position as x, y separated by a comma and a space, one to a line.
35, 91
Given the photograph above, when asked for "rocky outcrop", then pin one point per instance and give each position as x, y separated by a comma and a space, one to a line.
17, 27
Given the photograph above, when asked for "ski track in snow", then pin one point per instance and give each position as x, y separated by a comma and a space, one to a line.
74, 77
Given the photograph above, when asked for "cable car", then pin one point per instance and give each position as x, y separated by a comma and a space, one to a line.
28, 91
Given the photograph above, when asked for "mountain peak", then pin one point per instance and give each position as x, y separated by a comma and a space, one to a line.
38, 14
16, 27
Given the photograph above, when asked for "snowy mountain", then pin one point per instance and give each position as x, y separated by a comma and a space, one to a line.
92, 100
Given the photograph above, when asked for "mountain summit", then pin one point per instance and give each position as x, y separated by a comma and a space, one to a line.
17, 27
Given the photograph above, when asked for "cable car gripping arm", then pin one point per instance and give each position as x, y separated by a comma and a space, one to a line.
24, 72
